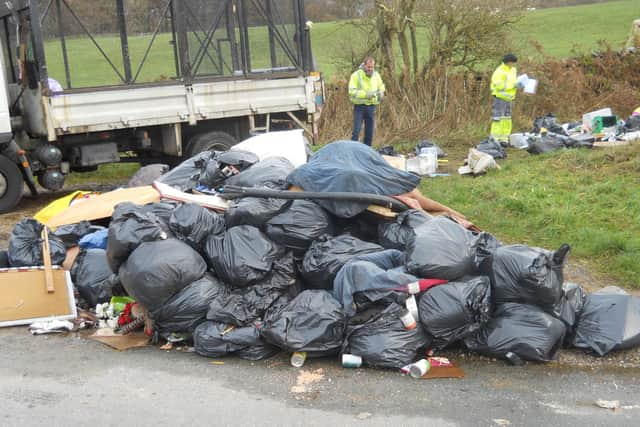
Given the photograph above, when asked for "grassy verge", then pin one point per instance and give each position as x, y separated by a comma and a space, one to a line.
106, 174
587, 198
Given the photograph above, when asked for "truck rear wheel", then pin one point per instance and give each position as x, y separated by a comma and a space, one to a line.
11, 184
220, 141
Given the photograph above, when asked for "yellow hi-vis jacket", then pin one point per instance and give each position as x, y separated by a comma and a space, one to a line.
503, 83
360, 84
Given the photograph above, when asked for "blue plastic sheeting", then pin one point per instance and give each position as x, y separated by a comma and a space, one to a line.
348, 166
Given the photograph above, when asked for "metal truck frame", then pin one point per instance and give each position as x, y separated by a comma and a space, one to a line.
48, 129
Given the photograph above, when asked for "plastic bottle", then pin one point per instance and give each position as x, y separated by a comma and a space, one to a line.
298, 358
418, 369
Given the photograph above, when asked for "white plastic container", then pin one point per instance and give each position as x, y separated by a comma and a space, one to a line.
518, 140
428, 161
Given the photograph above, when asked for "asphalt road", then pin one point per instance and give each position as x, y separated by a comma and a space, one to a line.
68, 380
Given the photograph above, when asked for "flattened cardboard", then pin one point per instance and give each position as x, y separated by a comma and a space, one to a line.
120, 342
102, 206
24, 298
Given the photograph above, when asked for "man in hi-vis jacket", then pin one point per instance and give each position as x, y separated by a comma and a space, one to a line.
504, 84
366, 90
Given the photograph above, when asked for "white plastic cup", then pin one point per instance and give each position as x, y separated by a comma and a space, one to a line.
298, 358
418, 369
351, 361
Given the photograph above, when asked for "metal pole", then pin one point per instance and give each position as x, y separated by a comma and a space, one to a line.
63, 43
231, 35
174, 42
272, 43
38, 48
124, 41
183, 40
244, 37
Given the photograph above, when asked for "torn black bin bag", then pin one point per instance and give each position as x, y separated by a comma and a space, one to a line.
313, 322
352, 167
548, 122
242, 306
72, 233
527, 275
130, 226
255, 211
570, 308
608, 322
226, 164
492, 148
456, 310
428, 144
242, 255
214, 339
546, 144
162, 210
156, 271
193, 224
327, 255
25, 245
188, 308
299, 225
384, 342
92, 276
271, 172
441, 249
374, 276
525, 330
398, 233
186, 175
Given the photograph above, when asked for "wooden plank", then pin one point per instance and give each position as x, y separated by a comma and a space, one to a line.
46, 257
102, 206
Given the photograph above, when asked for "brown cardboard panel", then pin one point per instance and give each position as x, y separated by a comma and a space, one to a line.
24, 297
443, 372
102, 206
120, 342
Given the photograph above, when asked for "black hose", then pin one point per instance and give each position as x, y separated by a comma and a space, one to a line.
237, 192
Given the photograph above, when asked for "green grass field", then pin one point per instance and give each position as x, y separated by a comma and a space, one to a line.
560, 31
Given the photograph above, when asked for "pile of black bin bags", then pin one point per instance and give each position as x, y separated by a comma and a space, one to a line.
271, 275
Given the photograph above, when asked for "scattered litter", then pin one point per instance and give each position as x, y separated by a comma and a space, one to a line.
50, 327
607, 404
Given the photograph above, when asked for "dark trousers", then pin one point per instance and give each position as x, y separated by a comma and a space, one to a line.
368, 114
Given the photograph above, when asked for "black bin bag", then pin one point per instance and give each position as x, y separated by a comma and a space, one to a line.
313, 322
242, 255
253, 211
570, 308
186, 175
327, 255
398, 233
156, 271
441, 249
242, 306
214, 339
384, 342
71, 234
527, 275
93, 277
608, 322
193, 224
130, 226
456, 310
25, 245
299, 225
525, 330
270, 172
188, 308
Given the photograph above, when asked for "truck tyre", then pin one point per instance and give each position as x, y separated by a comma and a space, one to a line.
11, 184
220, 141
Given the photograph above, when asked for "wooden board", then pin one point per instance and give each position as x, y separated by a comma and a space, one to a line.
102, 206
24, 298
